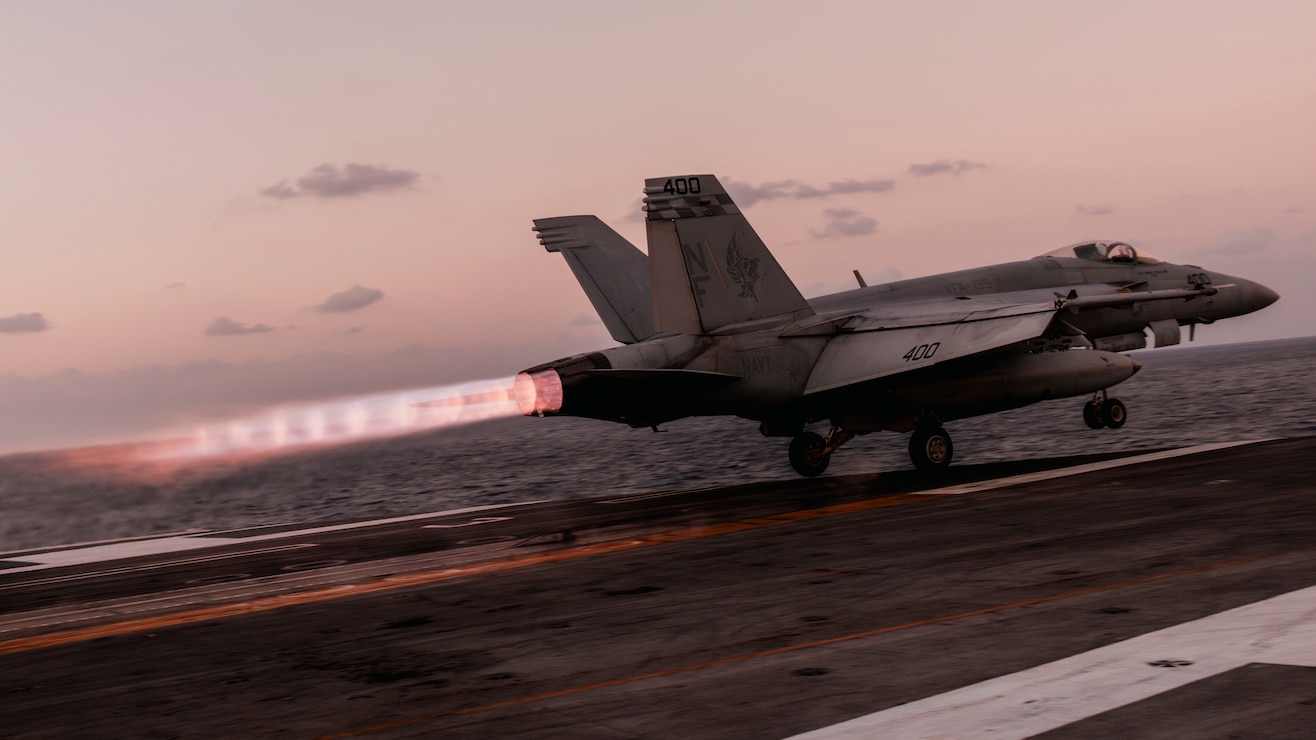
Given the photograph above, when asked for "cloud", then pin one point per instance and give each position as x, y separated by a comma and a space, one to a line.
357, 296
23, 323
845, 187
845, 222
585, 319
1295, 209
945, 167
226, 327
1083, 210
747, 194
348, 181
279, 190
174, 286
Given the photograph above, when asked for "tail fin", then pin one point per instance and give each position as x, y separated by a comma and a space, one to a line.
707, 267
613, 273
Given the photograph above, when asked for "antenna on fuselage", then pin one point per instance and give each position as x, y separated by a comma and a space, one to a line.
860, 278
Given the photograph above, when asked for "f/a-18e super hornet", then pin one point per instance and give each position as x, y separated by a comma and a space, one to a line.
711, 325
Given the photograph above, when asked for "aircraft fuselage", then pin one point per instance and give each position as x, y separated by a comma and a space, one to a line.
712, 326
1064, 274
772, 367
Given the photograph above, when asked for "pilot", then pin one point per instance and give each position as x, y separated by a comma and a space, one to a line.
1121, 252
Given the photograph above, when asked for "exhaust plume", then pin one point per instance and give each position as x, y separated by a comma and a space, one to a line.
349, 420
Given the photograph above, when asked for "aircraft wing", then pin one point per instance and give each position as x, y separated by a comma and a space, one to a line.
892, 338
893, 341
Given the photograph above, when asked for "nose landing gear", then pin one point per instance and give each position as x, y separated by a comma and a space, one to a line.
1104, 412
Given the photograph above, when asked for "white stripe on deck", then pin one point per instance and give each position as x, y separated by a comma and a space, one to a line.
1280, 630
154, 566
161, 545
1118, 462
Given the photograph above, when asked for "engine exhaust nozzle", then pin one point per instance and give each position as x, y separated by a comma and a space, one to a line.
538, 393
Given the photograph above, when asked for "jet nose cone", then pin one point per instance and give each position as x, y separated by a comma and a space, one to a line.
1136, 365
1262, 296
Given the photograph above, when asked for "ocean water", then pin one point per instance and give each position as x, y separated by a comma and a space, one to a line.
1183, 396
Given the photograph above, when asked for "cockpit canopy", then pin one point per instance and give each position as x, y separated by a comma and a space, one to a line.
1117, 252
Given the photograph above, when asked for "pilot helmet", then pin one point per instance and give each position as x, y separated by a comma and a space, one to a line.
1121, 252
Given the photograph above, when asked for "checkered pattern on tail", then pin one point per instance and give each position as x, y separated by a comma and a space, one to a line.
691, 196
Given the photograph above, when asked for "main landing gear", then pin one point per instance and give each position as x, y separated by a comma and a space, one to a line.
930, 448
810, 453
1104, 412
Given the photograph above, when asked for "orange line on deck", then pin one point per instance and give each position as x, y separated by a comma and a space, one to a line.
811, 644
269, 603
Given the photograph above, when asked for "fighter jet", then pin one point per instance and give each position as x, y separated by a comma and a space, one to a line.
710, 325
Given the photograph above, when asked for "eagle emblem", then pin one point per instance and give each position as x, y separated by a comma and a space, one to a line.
742, 269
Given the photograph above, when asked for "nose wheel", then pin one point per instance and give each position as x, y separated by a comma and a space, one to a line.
930, 448
1104, 412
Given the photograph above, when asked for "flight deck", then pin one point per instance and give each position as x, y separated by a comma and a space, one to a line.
1154, 594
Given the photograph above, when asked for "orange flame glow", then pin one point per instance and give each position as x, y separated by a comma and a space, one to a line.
538, 393
351, 420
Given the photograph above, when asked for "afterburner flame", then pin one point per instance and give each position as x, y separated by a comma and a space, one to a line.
352, 419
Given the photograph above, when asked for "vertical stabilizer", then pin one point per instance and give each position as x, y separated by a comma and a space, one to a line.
612, 272
707, 266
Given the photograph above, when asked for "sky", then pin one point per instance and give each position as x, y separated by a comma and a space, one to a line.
209, 207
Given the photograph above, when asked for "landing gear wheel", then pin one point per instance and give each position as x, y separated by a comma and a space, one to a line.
1092, 415
809, 455
930, 448
1114, 413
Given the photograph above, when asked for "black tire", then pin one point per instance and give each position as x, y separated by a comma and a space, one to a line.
930, 448
1114, 413
807, 456
1092, 415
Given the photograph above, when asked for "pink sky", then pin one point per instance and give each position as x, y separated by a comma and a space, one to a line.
137, 138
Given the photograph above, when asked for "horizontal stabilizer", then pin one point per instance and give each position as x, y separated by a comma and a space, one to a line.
612, 272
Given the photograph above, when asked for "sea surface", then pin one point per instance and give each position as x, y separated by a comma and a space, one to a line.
1183, 396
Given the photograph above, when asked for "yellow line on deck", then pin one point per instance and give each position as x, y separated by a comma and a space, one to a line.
407, 580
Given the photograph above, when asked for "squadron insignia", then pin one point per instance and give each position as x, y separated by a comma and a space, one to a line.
742, 269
